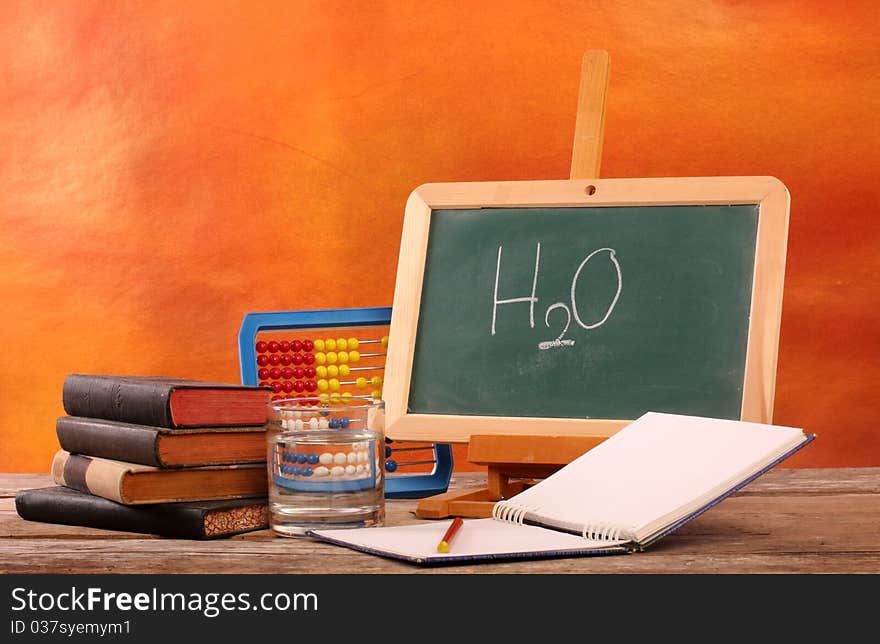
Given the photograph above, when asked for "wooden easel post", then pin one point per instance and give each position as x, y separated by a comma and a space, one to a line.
531, 457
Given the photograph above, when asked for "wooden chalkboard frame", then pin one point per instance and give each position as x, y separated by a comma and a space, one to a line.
768, 193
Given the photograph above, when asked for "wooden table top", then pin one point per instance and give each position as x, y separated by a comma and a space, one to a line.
788, 521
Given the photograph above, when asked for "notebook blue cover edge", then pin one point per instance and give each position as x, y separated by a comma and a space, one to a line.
452, 559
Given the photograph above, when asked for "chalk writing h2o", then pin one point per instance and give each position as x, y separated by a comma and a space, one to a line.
569, 311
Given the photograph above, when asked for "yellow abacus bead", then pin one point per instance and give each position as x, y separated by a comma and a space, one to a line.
323, 385
353, 343
333, 370
334, 399
321, 371
320, 358
377, 393
319, 345
334, 384
346, 394
343, 357
324, 398
330, 344
341, 344
344, 370
361, 383
376, 381
331, 357
354, 356
384, 341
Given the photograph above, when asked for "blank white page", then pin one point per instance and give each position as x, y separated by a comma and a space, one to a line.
654, 472
476, 538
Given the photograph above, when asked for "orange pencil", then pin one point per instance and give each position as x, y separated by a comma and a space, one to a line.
443, 546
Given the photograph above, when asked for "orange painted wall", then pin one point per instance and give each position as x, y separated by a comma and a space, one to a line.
166, 167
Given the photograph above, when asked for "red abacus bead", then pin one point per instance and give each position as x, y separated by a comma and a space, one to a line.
261, 347
274, 397
284, 345
297, 358
299, 386
275, 373
296, 346
262, 360
311, 385
285, 358
287, 386
263, 374
265, 384
309, 358
287, 372
308, 345
276, 387
273, 346
275, 359
310, 372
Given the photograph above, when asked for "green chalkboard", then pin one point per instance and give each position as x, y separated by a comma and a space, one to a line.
656, 300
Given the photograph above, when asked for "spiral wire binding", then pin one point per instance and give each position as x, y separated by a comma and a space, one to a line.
510, 512
605, 532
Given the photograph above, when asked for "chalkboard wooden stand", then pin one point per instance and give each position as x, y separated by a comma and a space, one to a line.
515, 461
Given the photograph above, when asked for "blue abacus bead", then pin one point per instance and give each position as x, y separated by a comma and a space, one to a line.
388, 440
391, 465
345, 422
301, 458
387, 451
312, 459
306, 471
295, 470
334, 423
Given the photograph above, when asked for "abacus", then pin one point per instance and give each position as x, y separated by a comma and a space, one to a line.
331, 355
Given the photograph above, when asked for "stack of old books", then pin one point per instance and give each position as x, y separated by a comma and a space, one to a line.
172, 457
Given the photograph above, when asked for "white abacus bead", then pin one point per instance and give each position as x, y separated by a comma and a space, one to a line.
352, 457
337, 471
326, 458
284, 423
297, 414
340, 458
298, 424
359, 469
322, 471
365, 455
350, 469
313, 423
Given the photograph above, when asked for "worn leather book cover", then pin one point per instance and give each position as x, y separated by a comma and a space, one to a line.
161, 446
134, 484
194, 520
160, 401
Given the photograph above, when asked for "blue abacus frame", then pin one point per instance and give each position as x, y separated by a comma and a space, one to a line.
415, 486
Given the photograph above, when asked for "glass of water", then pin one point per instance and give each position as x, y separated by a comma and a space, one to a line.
326, 463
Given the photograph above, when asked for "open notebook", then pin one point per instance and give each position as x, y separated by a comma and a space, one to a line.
653, 476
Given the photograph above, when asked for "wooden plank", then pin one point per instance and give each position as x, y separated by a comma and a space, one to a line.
557, 450
788, 521
589, 129
276, 556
